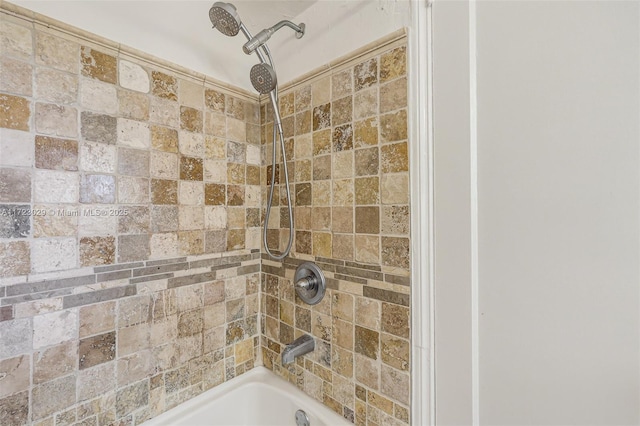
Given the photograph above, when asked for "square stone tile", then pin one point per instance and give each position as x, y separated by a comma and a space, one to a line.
164, 191
394, 158
97, 157
16, 148
191, 168
395, 252
98, 127
16, 40
367, 161
133, 190
56, 86
393, 95
15, 220
134, 105
342, 110
16, 77
97, 251
15, 112
14, 258
53, 254
15, 375
133, 162
133, 76
367, 190
365, 74
56, 52
342, 138
191, 119
97, 189
164, 86
393, 64
132, 248
56, 154
55, 361
393, 126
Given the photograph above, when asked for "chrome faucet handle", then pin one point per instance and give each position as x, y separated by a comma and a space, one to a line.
307, 283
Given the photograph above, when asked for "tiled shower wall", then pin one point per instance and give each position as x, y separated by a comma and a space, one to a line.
347, 149
129, 229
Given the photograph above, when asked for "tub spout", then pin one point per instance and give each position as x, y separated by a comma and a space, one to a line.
302, 345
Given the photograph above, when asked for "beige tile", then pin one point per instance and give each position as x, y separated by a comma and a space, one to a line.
321, 91
16, 185
99, 65
57, 52
16, 40
214, 100
97, 251
395, 384
322, 244
394, 188
393, 126
15, 113
395, 220
53, 396
365, 74
164, 86
395, 252
16, 77
302, 98
367, 248
341, 84
367, 190
15, 375
393, 64
97, 318
393, 95
191, 119
55, 86
367, 371
395, 351
394, 158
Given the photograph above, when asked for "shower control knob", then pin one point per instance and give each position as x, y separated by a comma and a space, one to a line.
307, 283
310, 283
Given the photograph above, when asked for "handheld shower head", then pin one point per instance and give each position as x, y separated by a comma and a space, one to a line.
263, 78
225, 18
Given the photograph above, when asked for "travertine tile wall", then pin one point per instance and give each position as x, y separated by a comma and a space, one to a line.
347, 150
129, 230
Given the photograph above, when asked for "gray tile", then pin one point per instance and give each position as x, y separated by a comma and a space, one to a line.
191, 279
386, 296
396, 279
154, 270
42, 286
15, 220
82, 299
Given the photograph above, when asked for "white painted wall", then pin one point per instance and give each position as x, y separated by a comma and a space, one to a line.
537, 212
180, 31
336, 28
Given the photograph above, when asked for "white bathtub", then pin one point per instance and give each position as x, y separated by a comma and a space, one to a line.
256, 398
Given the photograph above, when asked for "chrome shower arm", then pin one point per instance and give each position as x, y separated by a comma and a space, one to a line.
299, 29
263, 36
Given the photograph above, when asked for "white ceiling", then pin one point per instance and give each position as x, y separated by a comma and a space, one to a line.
180, 30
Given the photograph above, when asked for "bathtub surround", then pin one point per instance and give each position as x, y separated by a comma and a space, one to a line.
346, 132
129, 229
131, 277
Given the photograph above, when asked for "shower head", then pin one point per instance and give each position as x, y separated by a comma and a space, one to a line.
263, 78
225, 18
